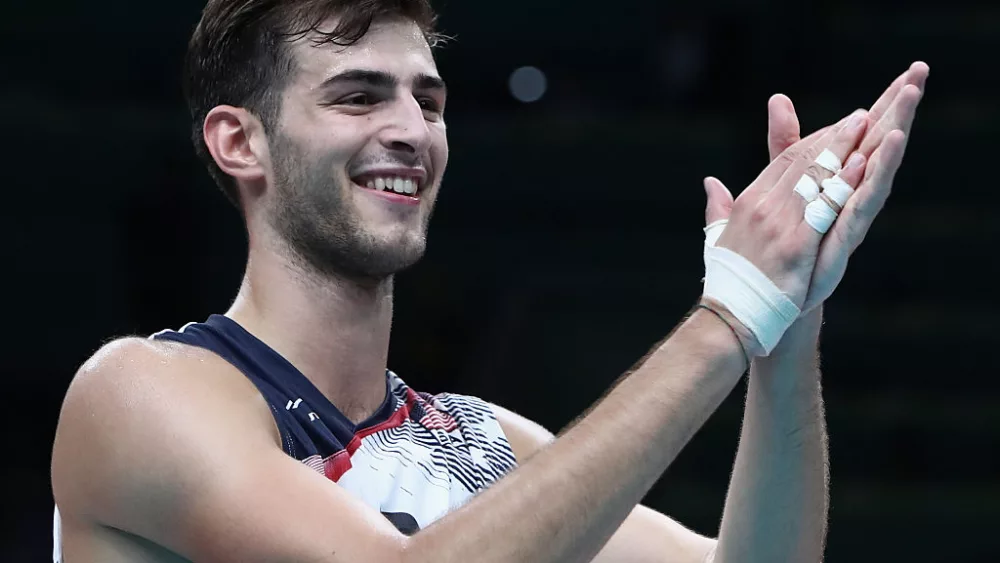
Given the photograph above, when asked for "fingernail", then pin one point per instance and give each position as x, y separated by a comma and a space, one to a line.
855, 161
856, 120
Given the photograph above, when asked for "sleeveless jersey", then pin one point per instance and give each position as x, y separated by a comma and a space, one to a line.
415, 459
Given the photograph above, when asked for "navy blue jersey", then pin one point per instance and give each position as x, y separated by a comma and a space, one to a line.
415, 459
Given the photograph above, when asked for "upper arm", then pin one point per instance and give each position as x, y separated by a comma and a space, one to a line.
170, 447
646, 536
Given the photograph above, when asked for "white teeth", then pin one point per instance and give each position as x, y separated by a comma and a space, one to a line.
408, 186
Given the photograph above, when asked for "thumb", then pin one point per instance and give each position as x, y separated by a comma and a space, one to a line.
782, 125
720, 201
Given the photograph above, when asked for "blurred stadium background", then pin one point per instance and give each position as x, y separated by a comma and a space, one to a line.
567, 239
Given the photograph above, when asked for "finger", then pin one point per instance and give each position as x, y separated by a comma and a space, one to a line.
872, 193
854, 170
818, 134
840, 142
772, 173
782, 125
917, 75
801, 184
821, 214
720, 201
885, 100
899, 115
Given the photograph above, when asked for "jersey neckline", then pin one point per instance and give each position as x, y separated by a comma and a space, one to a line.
300, 382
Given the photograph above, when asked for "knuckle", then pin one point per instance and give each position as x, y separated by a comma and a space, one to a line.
812, 151
760, 213
858, 211
817, 172
790, 155
853, 235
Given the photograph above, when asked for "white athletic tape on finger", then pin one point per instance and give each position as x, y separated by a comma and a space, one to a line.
750, 296
807, 188
830, 161
838, 190
820, 216
714, 231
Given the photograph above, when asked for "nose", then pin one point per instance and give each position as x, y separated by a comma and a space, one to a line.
406, 130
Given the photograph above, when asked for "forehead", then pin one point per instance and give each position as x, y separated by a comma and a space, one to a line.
394, 46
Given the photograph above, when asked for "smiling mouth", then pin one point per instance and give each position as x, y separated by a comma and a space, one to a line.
387, 183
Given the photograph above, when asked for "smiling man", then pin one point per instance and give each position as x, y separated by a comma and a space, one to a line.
275, 432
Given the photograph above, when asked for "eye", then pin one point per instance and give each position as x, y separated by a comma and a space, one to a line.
429, 104
359, 99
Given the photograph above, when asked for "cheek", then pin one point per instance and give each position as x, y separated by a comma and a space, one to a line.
439, 152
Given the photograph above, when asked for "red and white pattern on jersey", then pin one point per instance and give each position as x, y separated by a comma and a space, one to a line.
449, 440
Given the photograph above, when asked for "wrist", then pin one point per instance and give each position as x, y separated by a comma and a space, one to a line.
735, 331
801, 340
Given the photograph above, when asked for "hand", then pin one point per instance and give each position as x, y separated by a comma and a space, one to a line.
884, 143
766, 223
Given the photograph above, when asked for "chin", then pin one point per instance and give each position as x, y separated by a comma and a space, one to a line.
402, 254
386, 257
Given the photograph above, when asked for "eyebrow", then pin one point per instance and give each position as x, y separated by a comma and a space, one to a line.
382, 79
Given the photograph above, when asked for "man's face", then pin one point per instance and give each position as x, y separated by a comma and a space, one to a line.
354, 121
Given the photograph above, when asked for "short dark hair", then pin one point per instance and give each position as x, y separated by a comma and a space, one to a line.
238, 54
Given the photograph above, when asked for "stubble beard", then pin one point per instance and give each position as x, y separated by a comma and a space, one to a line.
314, 216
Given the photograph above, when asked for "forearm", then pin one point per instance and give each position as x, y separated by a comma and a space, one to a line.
777, 501
568, 499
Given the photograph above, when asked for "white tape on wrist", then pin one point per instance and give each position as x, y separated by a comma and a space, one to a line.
827, 159
750, 296
714, 231
820, 216
838, 190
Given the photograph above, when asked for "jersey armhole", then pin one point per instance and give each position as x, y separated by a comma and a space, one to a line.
285, 435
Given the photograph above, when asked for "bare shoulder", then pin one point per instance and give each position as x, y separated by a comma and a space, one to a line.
132, 407
526, 437
126, 364
170, 447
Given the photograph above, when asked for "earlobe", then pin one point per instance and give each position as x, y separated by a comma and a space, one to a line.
229, 133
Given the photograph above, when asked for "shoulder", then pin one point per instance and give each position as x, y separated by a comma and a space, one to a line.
130, 374
136, 407
526, 437
133, 361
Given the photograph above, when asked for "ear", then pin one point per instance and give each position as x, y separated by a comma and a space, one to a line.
235, 137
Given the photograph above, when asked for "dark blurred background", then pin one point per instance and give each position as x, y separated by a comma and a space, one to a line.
567, 239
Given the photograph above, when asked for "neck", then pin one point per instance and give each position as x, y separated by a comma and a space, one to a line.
334, 330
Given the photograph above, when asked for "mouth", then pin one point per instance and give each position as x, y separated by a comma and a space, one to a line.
399, 185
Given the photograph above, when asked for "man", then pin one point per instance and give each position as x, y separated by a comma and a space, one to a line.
275, 432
